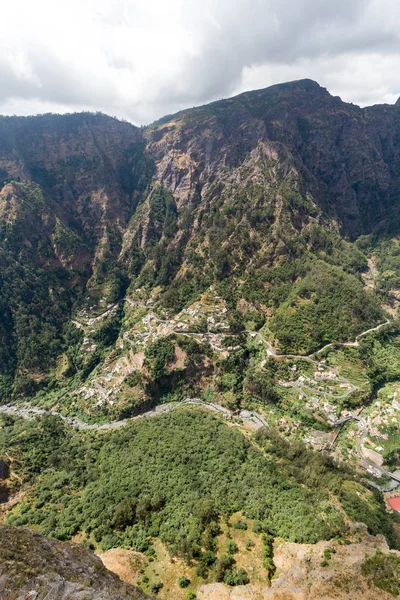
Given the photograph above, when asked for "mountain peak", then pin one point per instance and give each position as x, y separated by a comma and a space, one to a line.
306, 84
299, 87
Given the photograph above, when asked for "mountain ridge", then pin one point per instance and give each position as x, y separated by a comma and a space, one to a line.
257, 196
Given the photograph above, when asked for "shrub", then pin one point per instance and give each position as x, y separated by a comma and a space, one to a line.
384, 571
223, 564
156, 587
183, 581
202, 571
208, 558
240, 525
231, 547
236, 577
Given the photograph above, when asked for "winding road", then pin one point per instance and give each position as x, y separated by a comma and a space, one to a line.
253, 419
271, 351
338, 422
364, 461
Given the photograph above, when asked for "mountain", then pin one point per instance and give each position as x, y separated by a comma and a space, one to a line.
243, 256
257, 200
345, 156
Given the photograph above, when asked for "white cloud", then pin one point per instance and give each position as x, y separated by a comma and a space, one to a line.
141, 59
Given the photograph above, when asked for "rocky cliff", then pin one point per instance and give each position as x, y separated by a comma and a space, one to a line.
33, 567
259, 197
347, 157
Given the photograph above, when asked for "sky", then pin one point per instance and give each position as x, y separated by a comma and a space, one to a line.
142, 59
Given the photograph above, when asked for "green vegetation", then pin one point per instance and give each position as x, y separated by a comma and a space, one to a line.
327, 556
236, 577
156, 587
310, 469
183, 582
268, 554
387, 253
381, 354
327, 305
34, 305
173, 477
50, 233
163, 214
231, 547
159, 354
240, 525
261, 384
384, 571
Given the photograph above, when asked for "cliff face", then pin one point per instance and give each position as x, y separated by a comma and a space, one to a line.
87, 168
348, 157
91, 207
34, 567
92, 170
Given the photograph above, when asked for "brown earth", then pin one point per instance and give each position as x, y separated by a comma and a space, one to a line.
299, 575
124, 563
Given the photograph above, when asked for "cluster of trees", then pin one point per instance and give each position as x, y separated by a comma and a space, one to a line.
326, 305
262, 384
384, 571
163, 379
173, 477
387, 252
381, 355
318, 471
158, 355
33, 306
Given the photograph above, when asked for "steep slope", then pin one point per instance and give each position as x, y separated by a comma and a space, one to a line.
301, 576
70, 185
251, 200
186, 494
211, 254
34, 568
183, 479
348, 157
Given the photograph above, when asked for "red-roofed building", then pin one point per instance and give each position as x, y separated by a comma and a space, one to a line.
395, 503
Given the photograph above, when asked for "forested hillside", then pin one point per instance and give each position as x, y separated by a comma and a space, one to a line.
178, 478
259, 198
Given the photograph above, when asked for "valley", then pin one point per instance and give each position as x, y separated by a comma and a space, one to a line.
200, 347
316, 397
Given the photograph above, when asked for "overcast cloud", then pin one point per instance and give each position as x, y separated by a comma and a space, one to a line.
141, 59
